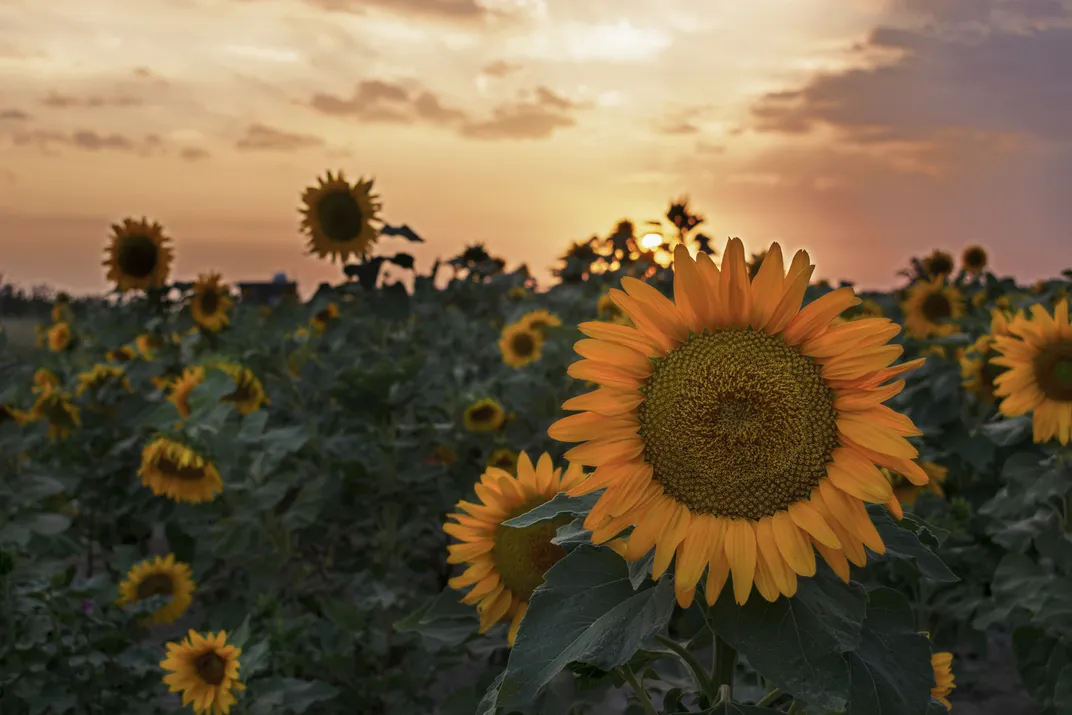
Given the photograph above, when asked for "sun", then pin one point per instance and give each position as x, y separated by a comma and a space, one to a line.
651, 241
210, 302
137, 256
160, 576
339, 217
737, 430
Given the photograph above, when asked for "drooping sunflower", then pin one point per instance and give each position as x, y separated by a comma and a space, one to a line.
248, 395
160, 576
179, 390
59, 337
736, 429
178, 472
607, 309
942, 663
1038, 353
540, 320
325, 315
505, 564
340, 217
100, 376
124, 353
137, 256
205, 670
938, 264
485, 415
520, 344
44, 379
974, 259
930, 309
55, 407
210, 302
907, 493
503, 458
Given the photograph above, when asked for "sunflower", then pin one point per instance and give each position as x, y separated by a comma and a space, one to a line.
938, 264
520, 344
56, 408
484, 415
519, 292
100, 376
44, 379
205, 670
59, 337
9, 413
179, 390
137, 256
61, 312
930, 307
505, 564
1038, 353
210, 302
339, 217
503, 458
540, 320
159, 577
738, 429
974, 259
942, 663
322, 317
442, 454
867, 309
248, 395
174, 470
124, 353
907, 492
607, 309
148, 344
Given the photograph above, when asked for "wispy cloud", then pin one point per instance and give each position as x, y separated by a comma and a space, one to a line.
259, 137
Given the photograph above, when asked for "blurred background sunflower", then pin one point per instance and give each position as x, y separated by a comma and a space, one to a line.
210, 302
159, 576
137, 256
339, 217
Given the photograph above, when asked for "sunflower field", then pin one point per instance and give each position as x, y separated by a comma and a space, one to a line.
681, 480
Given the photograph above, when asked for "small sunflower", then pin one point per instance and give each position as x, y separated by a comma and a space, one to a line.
148, 344
540, 320
100, 376
205, 670
138, 257
124, 353
938, 264
520, 344
179, 390
736, 429
942, 663
974, 260
340, 217
210, 302
44, 379
608, 310
442, 454
174, 470
59, 337
503, 458
322, 317
56, 408
504, 564
160, 576
930, 309
1038, 353
61, 312
248, 395
484, 415
907, 492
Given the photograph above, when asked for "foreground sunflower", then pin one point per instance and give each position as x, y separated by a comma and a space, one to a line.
505, 564
974, 260
55, 407
325, 315
178, 472
339, 217
138, 257
1038, 353
938, 264
484, 415
159, 576
205, 670
59, 337
210, 302
930, 309
520, 344
736, 429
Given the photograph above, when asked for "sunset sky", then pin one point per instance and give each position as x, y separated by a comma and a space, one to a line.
864, 130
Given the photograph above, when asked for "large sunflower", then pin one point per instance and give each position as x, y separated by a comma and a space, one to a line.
55, 407
930, 309
1038, 353
485, 415
736, 429
505, 564
160, 576
205, 670
138, 257
59, 337
340, 217
210, 302
974, 259
521, 344
174, 470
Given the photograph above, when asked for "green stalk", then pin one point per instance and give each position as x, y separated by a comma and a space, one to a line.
638, 688
725, 665
770, 697
699, 673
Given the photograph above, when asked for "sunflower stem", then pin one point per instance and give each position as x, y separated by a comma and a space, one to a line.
638, 688
725, 664
699, 673
770, 697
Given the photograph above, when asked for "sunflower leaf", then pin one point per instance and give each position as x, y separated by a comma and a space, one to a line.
905, 544
558, 504
275, 695
403, 231
402, 260
1007, 432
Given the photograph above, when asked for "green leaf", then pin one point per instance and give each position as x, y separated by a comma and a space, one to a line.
240, 635
586, 610
891, 668
799, 642
254, 659
902, 543
48, 524
275, 695
1008, 431
402, 260
285, 440
1018, 582
1062, 692
556, 505
253, 427
444, 619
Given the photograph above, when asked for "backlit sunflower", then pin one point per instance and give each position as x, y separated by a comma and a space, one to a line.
325, 315
607, 309
540, 320
974, 260
100, 376
484, 415
160, 576
503, 458
248, 395
520, 344
1038, 353
178, 472
148, 344
124, 353
736, 429
938, 264
44, 379
205, 670
340, 217
138, 257
504, 564
942, 663
907, 492
179, 390
59, 337
930, 309
55, 407
210, 302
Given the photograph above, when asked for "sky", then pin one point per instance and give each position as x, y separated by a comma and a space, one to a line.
866, 131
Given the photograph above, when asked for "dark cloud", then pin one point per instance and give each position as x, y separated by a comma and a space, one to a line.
56, 100
191, 153
378, 101
983, 11
49, 141
14, 114
259, 137
684, 121
500, 68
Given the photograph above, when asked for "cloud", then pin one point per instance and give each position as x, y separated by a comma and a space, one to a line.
259, 137
147, 75
56, 100
457, 11
48, 141
14, 114
379, 101
537, 117
500, 68
191, 153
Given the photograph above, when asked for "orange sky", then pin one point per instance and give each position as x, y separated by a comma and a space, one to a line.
841, 126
